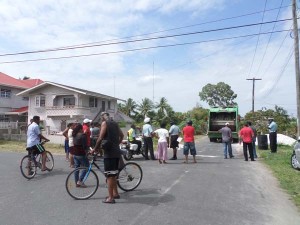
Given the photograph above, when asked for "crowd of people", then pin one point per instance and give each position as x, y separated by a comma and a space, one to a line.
104, 138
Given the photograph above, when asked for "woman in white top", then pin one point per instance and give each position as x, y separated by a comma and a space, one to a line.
163, 142
71, 144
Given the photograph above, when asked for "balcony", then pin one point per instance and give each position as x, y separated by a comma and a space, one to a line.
67, 111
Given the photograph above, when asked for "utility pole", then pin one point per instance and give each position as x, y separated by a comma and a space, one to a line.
296, 46
253, 87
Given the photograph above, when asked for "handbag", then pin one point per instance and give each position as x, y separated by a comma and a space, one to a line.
106, 144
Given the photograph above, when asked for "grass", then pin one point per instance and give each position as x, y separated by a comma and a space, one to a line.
288, 177
20, 146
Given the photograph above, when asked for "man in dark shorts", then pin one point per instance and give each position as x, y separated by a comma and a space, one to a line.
34, 137
174, 132
110, 137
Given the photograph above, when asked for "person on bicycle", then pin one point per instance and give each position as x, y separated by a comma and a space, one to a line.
110, 137
34, 138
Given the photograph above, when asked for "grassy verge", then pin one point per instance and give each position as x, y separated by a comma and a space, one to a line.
288, 177
20, 146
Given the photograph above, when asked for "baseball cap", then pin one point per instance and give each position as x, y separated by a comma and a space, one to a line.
226, 124
147, 120
299, 138
87, 120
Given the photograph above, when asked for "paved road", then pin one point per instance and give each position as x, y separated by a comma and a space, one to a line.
213, 191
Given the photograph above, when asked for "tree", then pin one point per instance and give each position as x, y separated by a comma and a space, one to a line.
145, 106
129, 107
219, 95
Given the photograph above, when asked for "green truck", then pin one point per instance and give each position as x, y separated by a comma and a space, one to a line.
217, 119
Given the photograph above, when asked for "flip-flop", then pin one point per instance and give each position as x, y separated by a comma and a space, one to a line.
109, 202
115, 197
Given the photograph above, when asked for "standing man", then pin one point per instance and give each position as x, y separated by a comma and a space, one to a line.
147, 136
272, 135
110, 137
86, 130
246, 135
189, 141
174, 132
226, 139
254, 139
34, 137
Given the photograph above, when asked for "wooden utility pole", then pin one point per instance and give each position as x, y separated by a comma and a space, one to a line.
296, 46
253, 87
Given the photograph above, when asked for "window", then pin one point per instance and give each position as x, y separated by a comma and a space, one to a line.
93, 102
25, 98
5, 93
108, 105
69, 101
40, 101
4, 118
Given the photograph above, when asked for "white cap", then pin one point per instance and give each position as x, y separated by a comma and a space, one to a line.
147, 120
87, 120
299, 138
226, 124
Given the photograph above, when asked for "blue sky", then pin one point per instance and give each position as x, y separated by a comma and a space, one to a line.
179, 72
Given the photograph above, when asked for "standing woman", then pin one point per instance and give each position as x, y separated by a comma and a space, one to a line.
65, 134
79, 152
71, 144
163, 141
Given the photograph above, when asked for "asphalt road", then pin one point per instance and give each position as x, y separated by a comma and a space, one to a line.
213, 191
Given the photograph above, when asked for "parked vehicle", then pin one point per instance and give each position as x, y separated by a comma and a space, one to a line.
132, 149
216, 120
295, 157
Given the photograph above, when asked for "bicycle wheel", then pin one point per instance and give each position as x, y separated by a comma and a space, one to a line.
88, 186
130, 176
28, 167
49, 160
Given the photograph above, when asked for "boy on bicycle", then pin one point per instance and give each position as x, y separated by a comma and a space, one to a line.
34, 138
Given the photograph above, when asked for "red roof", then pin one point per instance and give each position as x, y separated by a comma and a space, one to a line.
13, 82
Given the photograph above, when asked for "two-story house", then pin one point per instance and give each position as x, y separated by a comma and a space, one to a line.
13, 107
59, 104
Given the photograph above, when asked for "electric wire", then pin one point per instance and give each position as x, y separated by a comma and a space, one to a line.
147, 39
147, 34
262, 20
260, 63
136, 49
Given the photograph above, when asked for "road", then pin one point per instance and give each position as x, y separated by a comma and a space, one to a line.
213, 191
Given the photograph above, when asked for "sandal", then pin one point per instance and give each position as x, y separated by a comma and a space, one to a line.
115, 197
109, 202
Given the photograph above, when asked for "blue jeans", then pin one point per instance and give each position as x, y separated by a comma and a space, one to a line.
189, 146
254, 149
80, 161
227, 148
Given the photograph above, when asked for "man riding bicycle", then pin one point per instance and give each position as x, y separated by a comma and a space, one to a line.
34, 138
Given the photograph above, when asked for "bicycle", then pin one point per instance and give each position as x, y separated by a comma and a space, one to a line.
31, 162
129, 178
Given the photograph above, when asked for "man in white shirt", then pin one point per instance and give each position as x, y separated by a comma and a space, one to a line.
34, 137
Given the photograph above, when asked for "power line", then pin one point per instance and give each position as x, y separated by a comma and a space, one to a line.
269, 39
137, 49
262, 20
145, 39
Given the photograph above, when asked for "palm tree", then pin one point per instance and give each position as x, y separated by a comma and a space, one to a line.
164, 110
129, 107
145, 106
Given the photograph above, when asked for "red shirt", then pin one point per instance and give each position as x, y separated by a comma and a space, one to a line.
188, 133
87, 131
246, 134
